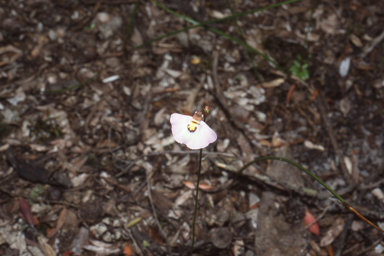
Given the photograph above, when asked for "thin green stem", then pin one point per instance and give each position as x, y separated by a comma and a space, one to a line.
225, 18
347, 205
197, 24
243, 38
129, 29
245, 45
309, 23
164, 36
298, 166
196, 198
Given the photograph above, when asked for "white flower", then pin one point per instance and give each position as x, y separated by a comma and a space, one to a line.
192, 131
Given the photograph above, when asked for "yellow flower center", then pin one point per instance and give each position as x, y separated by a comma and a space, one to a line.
193, 125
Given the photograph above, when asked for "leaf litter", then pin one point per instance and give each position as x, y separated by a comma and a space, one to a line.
74, 138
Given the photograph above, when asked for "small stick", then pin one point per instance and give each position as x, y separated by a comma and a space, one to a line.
335, 145
318, 218
168, 152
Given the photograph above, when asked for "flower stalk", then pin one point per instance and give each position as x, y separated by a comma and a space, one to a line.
196, 199
195, 134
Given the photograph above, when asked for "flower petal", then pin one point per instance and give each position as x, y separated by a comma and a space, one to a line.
180, 127
198, 139
208, 133
202, 137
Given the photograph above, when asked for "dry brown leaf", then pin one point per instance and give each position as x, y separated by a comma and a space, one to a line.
136, 38
189, 184
333, 232
329, 25
106, 144
345, 106
173, 73
273, 83
202, 186
183, 198
348, 164
277, 141
362, 65
310, 36
61, 220
4, 147
265, 143
155, 236
355, 169
356, 41
66, 217
310, 145
48, 251
41, 41
216, 14
173, 241
357, 225
159, 117
78, 162
10, 48
39, 148
25, 209
238, 248
377, 192
246, 149
102, 248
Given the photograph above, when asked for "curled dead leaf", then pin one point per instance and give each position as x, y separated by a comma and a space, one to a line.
25, 210
333, 232
356, 41
238, 248
202, 186
265, 143
310, 145
273, 83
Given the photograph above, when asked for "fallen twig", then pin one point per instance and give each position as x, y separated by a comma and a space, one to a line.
328, 126
125, 170
318, 218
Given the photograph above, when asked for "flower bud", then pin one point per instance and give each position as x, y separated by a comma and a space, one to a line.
206, 111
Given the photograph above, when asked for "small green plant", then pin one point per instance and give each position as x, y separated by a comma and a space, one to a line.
299, 68
46, 130
145, 244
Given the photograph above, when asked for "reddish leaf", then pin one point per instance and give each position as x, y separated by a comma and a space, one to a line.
314, 95
68, 253
127, 249
36, 221
254, 206
309, 219
155, 236
202, 186
25, 209
50, 232
290, 91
